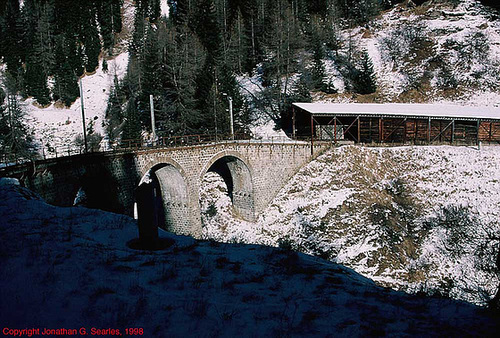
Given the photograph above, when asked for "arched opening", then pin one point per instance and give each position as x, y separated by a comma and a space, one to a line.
227, 175
162, 199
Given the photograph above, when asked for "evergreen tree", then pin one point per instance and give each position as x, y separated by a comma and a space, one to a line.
13, 51
15, 139
178, 106
40, 57
110, 21
318, 69
104, 65
364, 81
114, 113
65, 87
36, 81
90, 38
132, 124
207, 91
151, 64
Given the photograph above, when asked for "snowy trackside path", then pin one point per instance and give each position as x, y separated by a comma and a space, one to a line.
71, 268
413, 218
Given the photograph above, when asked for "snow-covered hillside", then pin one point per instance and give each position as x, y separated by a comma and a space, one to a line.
414, 218
71, 268
435, 53
57, 126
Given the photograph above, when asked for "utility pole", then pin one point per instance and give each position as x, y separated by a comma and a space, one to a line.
231, 116
230, 99
83, 117
153, 129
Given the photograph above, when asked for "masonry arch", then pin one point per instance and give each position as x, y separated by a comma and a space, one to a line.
237, 174
162, 197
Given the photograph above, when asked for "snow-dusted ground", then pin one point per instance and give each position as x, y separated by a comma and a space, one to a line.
383, 212
71, 268
449, 34
57, 126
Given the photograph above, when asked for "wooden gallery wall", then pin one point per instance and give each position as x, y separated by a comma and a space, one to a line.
416, 130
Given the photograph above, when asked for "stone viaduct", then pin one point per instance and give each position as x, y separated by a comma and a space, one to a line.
254, 172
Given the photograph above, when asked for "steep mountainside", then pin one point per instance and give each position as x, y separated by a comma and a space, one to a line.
71, 268
413, 218
431, 52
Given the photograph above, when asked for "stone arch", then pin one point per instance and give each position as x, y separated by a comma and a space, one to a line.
167, 199
237, 174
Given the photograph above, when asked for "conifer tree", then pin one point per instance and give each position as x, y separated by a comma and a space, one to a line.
207, 91
132, 124
151, 64
36, 81
114, 113
364, 82
40, 57
90, 38
318, 69
13, 51
179, 65
65, 87
15, 139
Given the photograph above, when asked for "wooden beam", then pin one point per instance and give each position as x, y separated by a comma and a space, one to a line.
312, 136
477, 131
359, 130
370, 135
452, 131
335, 130
380, 129
429, 131
441, 132
350, 126
405, 131
416, 132
395, 128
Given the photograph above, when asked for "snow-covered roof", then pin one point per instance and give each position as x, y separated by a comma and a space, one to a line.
401, 110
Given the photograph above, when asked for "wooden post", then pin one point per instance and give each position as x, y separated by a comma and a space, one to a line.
370, 135
359, 129
452, 131
335, 130
416, 131
440, 130
429, 131
491, 125
293, 123
405, 132
477, 134
380, 129
312, 136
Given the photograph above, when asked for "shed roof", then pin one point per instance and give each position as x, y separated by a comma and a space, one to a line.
401, 110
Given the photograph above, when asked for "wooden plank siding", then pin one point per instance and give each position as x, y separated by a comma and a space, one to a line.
416, 131
489, 132
399, 130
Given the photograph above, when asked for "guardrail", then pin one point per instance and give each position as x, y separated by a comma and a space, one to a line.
128, 145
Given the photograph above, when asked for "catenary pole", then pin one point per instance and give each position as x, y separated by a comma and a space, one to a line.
153, 129
83, 117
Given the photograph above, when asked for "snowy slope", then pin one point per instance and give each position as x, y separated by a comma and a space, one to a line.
71, 268
57, 126
446, 28
385, 213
